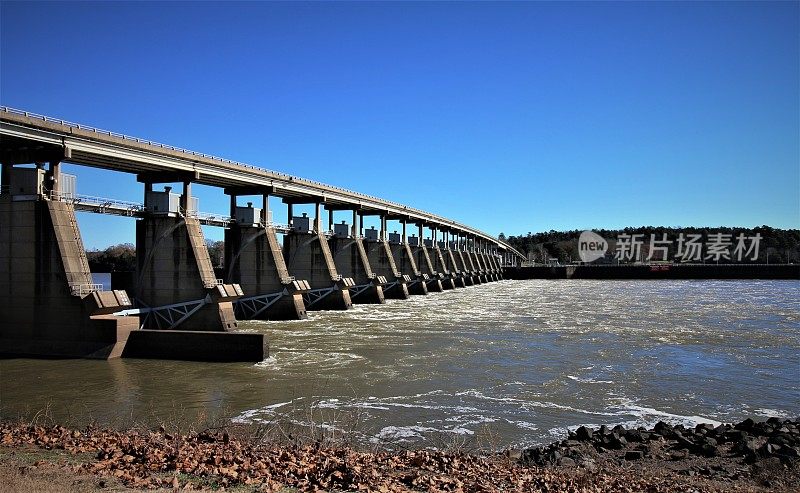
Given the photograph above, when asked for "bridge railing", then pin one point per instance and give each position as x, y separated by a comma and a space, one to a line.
84, 289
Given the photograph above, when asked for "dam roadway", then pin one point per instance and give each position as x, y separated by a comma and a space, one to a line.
175, 305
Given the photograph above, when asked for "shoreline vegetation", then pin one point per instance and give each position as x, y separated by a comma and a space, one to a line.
777, 246
747, 456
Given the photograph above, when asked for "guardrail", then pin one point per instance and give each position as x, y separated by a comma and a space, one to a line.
96, 201
84, 289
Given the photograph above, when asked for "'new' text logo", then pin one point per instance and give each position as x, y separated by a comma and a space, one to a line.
591, 246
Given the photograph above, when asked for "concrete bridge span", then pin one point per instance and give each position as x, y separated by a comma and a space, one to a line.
174, 305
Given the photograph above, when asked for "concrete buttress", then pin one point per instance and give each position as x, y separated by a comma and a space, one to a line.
383, 264
350, 257
407, 265
173, 268
48, 304
440, 265
425, 265
309, 257
254, 260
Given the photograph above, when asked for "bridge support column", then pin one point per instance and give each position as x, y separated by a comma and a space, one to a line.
480, 276
438, 262
481, 254
452, 264
425, 264
350, 257
173, 268
48, 303
383, 263
308, 256
407, 265
254, 260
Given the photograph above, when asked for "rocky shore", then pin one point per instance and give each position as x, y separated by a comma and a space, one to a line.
724, 452
748, 456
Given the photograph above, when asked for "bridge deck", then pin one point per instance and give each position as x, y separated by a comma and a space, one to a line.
27, 134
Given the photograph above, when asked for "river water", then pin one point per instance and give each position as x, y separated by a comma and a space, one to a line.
507, 364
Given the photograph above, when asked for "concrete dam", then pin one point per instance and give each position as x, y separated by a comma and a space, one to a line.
175, 306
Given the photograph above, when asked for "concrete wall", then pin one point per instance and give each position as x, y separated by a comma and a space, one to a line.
407, 264
465, 267
254, 260
425, 265
350, 257
309, 257
383, 264
41, 256
440, 265
173, 266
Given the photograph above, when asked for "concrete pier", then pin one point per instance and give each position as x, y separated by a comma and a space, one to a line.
470, 260
48, 303
466, 268
309, 257
407, 265
254, 260
458, 274
484, 259
425, 265
482, 274
350, 257
383, 264
173, 268
440, 265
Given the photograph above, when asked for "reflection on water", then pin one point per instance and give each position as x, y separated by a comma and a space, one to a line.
517, 360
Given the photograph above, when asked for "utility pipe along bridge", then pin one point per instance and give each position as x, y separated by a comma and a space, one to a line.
175, 305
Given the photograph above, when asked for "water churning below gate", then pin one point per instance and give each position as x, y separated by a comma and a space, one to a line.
500, 365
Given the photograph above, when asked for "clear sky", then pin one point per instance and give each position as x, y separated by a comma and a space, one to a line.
510, 117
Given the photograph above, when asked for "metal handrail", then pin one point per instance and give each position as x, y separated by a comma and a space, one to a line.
99, 201
84, 289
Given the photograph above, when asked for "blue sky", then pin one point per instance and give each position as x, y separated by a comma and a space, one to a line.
510, 117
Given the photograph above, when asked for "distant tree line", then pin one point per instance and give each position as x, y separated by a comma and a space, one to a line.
776, 245
122, 257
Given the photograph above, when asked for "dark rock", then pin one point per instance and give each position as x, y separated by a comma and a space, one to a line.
745, 445
619, 430
769, 449
616, 442
585, 434
567, 462
783, 439
683, 442
634, 436
663, 429
718, 431
746, 425
634, 455
734, 435
679, 454
709, 441
709, 450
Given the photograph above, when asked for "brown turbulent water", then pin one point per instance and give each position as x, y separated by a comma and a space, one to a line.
506, 364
